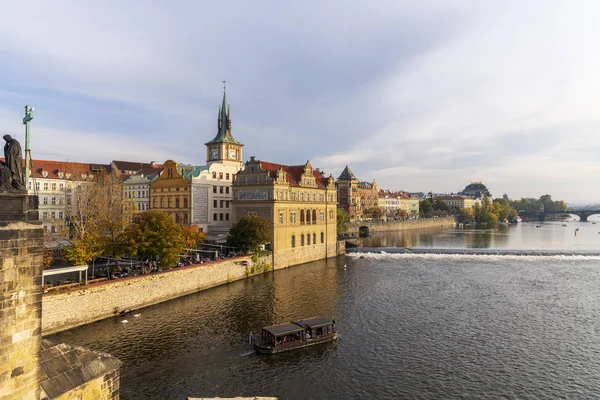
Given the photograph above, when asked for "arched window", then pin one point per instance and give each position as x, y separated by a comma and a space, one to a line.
302, 218
307, 217
170, 202
314, 238
162, 202
302, 240
308, 239
293, 241
322, 237
314, 218
154, 203
177, 202
185, 202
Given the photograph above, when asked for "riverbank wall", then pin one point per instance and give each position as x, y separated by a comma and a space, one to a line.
85, 304
390, 226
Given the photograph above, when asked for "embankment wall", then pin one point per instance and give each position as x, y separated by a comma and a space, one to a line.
386, 226
82, 305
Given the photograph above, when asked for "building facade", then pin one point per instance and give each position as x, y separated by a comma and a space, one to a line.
476, 189
298, 200
356, 197
170, 192
136, 178
458, 201
212, 194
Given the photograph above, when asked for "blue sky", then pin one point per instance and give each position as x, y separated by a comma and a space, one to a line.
421, 96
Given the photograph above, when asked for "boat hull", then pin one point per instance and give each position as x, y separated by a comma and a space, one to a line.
268, 349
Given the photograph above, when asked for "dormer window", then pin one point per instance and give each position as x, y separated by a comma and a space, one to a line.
83, 176
60, 174
44, 174
68, 175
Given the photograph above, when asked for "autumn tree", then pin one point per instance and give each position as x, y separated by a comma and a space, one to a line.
153, 234
250, 233
96, 212
193, 236
342, 221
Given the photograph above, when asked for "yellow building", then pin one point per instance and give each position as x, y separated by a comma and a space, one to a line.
170, 192
298, 200
458, 201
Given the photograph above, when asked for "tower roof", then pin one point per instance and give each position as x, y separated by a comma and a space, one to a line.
347, 175
224, 134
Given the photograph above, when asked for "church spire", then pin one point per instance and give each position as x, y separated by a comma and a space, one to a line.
224, 123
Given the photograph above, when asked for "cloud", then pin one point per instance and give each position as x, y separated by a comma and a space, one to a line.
420, 95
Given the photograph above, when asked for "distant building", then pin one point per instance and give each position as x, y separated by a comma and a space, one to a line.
170, 192
392, 202
355, 196
298, 200
458, 201
476, 189
54, 182
136, 177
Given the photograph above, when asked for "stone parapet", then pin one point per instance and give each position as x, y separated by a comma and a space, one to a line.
391, 226
83, 305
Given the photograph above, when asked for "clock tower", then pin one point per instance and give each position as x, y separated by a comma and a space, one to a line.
224, 149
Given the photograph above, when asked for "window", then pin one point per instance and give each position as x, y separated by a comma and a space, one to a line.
53, 185
227, 217
308, 239
45, 215
314, 238
177, 203
233, 177
221, 203
214, 203
53, 200
37, 186
252, 213
281, 218
154, 203
322, 215
214, 217
214, 189
170, 202
302, 240
60, 214
214, 175
220, 189
307, 217
293, 241
227, 190
45, 185
162, 202
314, 217
45, 200
227, 176
185, 202
227, 204
221, 216
170, 173
322, 237
60, 200
53, 214
220, 175
330, 214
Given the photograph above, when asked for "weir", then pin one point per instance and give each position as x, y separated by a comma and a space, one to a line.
489, 252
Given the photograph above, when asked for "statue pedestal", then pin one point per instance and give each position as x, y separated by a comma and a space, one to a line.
18, 206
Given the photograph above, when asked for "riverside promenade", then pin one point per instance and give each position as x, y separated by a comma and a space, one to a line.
82, 305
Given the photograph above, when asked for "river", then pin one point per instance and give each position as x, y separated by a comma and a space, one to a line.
426, 326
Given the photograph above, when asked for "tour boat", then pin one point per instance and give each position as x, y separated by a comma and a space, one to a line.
296, 334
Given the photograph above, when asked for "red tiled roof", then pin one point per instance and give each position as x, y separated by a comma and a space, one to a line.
52, 168
293, 173
134, 166
452, 197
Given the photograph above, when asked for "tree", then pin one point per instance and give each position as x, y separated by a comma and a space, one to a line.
374, 212
96, 212
193, 236
342, 221
153, 234
250, 233
425, 207
466, 214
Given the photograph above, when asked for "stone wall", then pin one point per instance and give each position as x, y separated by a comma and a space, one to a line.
20, 309
386, 226
66, 310
300, 255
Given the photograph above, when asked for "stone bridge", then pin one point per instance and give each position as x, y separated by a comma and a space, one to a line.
541, 215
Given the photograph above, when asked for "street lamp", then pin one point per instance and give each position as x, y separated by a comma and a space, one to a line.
28, 117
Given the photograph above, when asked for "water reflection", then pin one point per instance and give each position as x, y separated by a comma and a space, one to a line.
541, 235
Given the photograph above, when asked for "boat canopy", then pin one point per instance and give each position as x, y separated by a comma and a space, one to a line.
284, 329
315, 322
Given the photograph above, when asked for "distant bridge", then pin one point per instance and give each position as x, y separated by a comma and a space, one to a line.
541, 215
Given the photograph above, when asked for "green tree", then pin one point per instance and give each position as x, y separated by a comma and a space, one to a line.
466, 214
250, 233
425, 208
154, 234
342, 221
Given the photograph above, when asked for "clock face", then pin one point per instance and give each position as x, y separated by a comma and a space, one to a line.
232, 154
215, 154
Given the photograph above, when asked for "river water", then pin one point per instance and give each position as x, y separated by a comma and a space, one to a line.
427, 326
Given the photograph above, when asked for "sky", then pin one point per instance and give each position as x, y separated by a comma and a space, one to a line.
418, 95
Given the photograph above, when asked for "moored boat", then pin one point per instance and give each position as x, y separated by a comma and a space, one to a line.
296, 334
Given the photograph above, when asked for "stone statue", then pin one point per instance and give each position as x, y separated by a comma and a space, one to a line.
13, 162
